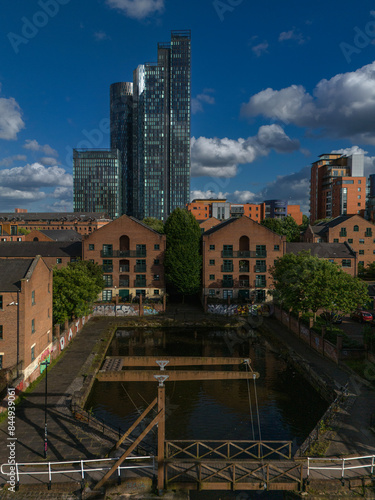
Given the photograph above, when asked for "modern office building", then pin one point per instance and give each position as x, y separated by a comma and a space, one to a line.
97, 178
121, 130
157, 177
338, 186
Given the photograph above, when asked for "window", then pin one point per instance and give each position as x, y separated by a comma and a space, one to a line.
33, 326
211, 291
227, 293
359, 189
361, 263
346, 263
368, 231
260, 280
107, 295
359, 196
350, 240
107, 266
343, 231
361, 252
141, 250
212, 277
362, 242
335, 240
108, 280
260, 251
1, 332
156, 292
227, 280
228, 266
107, 250
33, 298
140, 292
212, 247
260, 266
356, 228
156, 247
156, 262
212, 262
1, 361
1, 302
91, 246
276, 247
156, 277
58, 260
33, 353
227, 250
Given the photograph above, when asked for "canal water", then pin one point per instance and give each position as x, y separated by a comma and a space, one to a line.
280, 405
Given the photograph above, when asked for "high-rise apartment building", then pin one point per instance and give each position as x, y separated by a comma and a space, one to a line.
97, 178
338, 186
121, 119
156, 164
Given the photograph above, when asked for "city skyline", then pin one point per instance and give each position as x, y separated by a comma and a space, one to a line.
269, 93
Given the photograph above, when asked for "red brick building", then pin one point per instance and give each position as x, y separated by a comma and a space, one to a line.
131, 255
237, 255
351, 229
25, 313
54, 253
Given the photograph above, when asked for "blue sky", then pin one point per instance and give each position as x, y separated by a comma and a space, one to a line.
274, 84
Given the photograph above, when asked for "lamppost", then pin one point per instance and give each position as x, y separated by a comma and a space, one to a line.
46, 363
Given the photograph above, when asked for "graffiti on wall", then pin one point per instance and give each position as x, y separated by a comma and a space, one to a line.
120, 310
149, 310
241, 310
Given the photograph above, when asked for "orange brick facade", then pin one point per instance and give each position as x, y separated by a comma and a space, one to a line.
131, 256
27, 314
237, 256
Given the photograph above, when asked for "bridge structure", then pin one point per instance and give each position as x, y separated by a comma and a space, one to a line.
200, 464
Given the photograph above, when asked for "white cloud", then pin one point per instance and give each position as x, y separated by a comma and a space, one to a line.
101, 35
343, 106
7, 162
17, 194
10, 118
206, 195
292, 35
63, 193
204, 97
35, 176
47, 160
33, 145
260, 49
61, 206
220, 157
138, 9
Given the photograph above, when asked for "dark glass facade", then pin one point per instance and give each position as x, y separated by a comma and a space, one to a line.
97, 175
121, 118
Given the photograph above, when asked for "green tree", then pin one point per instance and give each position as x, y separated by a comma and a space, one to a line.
306, 283
75, 288
154, 223
182, 259
286, 226
305, 223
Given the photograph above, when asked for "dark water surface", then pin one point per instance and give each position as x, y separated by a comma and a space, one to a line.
288, 407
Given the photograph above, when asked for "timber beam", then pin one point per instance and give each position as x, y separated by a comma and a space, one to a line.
151, 361
173, 375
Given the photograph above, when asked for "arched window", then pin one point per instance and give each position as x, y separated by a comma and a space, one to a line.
124, 243
356, 228
244, 243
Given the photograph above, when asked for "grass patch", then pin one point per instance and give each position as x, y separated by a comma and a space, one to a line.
363, 368
318, 449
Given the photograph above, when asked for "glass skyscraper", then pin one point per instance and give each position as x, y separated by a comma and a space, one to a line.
97, 175
156, 164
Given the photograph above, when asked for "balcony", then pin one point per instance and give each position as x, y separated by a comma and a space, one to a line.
244, 254
124, 283
124, 269
140, 268
260, 269
140, 283
244, 283
260, 284
227, 269
227, 283
107, 269
244, 268
124, 253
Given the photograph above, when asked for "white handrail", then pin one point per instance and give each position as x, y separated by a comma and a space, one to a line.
341, 464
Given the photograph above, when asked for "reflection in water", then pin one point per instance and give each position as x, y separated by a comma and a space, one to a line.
288, 407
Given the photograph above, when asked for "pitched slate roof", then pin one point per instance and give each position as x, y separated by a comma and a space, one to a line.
323, 227
56, 216
11, 272
323, 250
221, 225
62, 234
43, 248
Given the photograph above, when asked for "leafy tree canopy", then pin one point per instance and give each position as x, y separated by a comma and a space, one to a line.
305, 223
286, 226
182, 259
306, 283
75, 288
154, 223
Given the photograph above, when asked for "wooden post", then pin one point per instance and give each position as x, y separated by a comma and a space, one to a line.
140, 305
161, 437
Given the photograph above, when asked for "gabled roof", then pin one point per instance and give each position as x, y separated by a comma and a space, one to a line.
56, 216
323, 250
43, 248
221, 225
62, 234
11, 272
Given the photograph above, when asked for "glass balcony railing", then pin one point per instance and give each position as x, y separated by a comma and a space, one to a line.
124, 253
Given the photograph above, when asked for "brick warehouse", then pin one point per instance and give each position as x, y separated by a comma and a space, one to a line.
25, 313
131, 255
352, 229
237, 255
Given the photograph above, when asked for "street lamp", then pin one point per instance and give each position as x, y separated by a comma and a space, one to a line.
46, 363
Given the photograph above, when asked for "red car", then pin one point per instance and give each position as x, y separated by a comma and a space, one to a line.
361, 316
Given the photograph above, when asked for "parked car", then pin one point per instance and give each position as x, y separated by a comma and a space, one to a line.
361, 316
331, 317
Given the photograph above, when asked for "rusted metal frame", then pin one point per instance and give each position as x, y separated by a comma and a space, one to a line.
176, 360
158, 417
174, 375
215, 472
285, 473
139, 419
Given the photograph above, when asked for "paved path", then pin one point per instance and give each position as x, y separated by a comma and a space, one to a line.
353, 436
